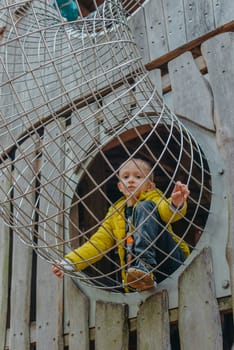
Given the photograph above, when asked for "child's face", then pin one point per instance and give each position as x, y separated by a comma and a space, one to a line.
133, 181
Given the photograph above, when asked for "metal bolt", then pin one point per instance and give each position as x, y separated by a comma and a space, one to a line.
225, 284
221, 171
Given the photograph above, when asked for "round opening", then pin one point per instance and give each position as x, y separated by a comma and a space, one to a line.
172, 159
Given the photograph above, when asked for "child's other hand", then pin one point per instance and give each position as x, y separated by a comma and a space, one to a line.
62, 265
179, 194
57, 272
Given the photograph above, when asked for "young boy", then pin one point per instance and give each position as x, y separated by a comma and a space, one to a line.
141, 214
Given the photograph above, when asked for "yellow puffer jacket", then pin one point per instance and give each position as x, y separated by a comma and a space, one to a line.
111, 232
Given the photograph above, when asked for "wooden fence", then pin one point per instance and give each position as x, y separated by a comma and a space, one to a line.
38, 311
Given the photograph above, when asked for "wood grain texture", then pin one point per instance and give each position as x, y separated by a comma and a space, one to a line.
219, 56
156, 28
199, 319
223, 11
4, 266
191, 92
49, 301
76, 316
137, 25
199, 18
111, 326
153, 327
23, 177
175, 23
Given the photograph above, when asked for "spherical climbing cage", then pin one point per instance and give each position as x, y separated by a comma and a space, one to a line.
77, 101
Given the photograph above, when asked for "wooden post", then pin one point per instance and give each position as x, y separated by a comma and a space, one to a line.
24, 185
153, 327
76, 316
4, 266
111, 326
49, 301
199, 320
219, 55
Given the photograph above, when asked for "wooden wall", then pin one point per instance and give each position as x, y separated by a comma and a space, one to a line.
162, 26
37, 311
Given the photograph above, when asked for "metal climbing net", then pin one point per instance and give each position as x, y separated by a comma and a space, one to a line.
77, 101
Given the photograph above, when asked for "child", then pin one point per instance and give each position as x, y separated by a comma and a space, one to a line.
146, 211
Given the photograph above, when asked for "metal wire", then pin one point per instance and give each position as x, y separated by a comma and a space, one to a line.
76, 101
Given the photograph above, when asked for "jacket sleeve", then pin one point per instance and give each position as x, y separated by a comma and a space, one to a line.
168, 214
95, 248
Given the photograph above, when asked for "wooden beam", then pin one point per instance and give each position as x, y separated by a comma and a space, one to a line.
192, 45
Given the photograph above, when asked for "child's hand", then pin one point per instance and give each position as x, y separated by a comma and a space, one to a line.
179, 194
59, 273
63, 264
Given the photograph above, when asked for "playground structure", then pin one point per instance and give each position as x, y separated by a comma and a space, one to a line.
73, 95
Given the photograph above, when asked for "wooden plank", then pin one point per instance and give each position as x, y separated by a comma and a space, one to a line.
153, 327
159, 61
199, 317
80, 134
79, 63
191, 93
49, 303
175, 23
18, 98
82, 131
20, 296
166, 82
219, 55
10, 105
223, 11
111, 326
76, 315
4, 265
106, 57
137, 24
23, 205
156, 28
117, 107
155, 77
199, 17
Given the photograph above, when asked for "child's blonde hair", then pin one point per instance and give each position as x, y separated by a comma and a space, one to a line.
144, 161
